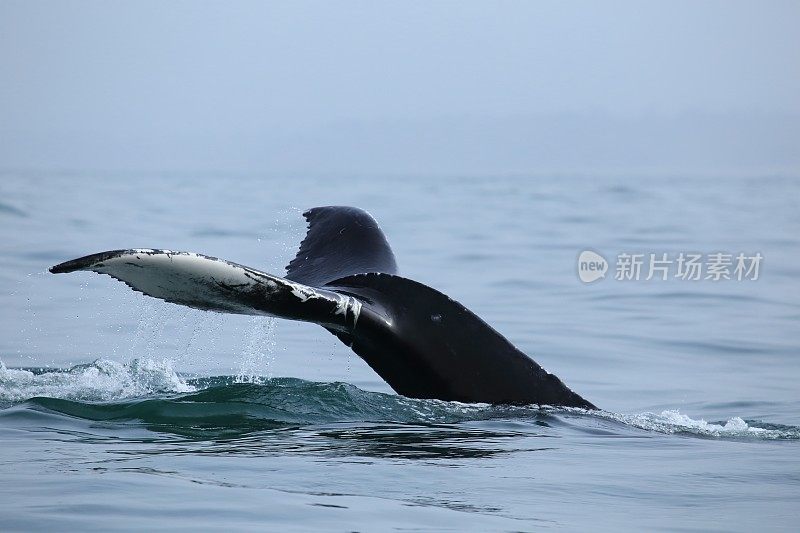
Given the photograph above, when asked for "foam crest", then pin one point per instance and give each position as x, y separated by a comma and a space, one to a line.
674, 422
102, 380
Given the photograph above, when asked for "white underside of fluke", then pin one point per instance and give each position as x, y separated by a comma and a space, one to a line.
212, 284
186, 278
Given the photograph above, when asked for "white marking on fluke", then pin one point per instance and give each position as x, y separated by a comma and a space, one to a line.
301, 294
356, 308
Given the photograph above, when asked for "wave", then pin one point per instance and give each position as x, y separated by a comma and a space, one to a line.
8, 209
102, 380
150, 393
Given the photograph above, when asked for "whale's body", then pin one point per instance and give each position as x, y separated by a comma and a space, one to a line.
344, 278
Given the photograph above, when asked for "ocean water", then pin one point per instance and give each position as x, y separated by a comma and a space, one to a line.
120, 412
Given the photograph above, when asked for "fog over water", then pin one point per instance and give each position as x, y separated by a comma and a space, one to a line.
381, 87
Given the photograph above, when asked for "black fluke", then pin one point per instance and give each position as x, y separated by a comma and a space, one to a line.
426, 345
422, 343
341, 241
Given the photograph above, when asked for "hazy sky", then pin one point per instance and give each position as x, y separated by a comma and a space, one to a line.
317, 85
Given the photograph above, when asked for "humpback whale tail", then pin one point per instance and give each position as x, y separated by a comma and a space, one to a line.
345, 278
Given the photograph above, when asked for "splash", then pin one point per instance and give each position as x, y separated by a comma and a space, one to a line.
259, 353
102, 380
150, 328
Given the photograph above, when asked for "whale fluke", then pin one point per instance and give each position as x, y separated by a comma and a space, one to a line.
427, 345
344, 278
210, 284
340, 242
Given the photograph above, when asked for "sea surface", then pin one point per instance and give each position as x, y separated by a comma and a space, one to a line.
121, 412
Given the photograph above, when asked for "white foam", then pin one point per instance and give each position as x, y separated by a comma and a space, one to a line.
673, 421
102, 380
